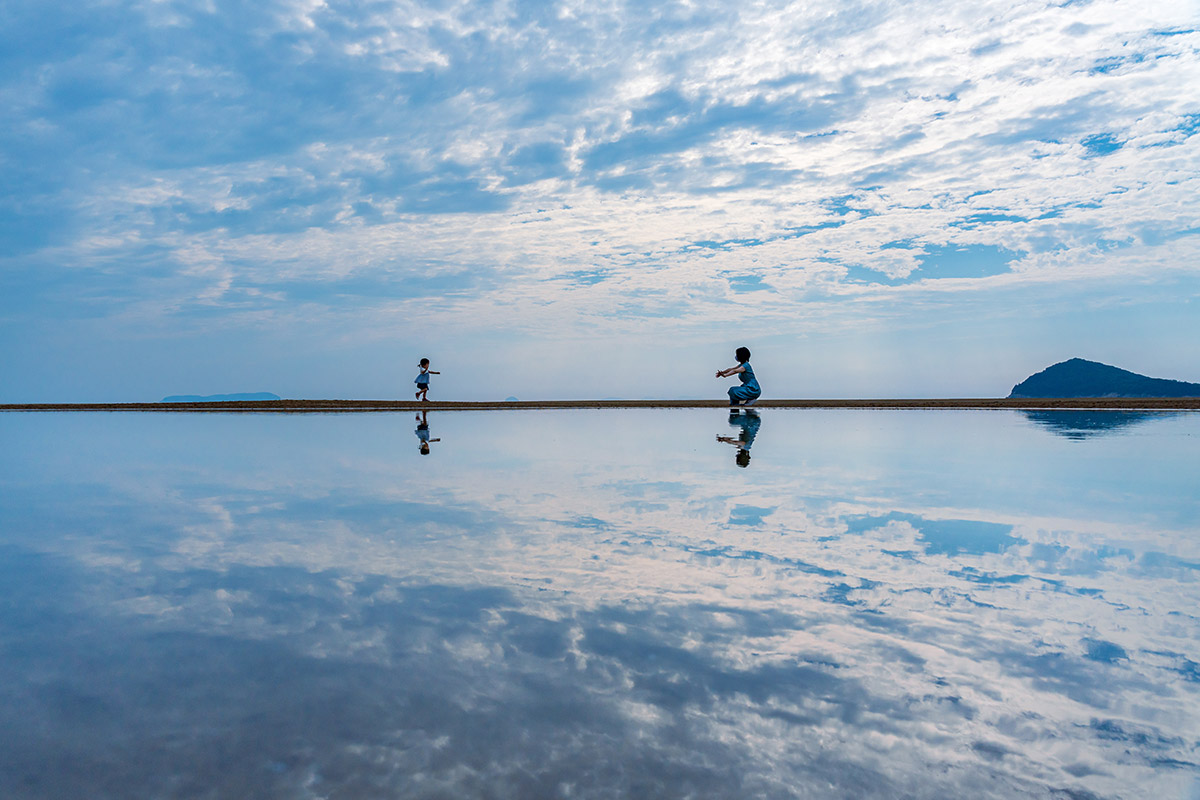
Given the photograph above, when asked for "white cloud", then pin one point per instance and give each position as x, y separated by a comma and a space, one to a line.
308, 144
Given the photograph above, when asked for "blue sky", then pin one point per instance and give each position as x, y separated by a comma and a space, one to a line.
593, 199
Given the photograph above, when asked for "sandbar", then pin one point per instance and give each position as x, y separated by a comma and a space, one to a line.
360, 406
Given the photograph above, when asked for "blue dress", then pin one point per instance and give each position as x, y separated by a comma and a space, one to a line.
749, 390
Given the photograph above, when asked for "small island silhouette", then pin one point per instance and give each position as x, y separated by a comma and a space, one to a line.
221, 398
1078, 377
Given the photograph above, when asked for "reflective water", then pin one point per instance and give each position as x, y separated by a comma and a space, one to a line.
839, 604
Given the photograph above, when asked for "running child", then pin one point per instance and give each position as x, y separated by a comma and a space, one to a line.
749, 391
422, 380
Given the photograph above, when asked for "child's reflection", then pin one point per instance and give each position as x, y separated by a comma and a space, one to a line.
423, 432
748, 421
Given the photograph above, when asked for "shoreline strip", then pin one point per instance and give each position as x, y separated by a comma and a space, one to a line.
363, 406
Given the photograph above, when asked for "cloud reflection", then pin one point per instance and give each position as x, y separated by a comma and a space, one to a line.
575, 623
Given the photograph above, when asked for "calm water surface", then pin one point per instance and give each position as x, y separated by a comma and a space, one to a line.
825, 604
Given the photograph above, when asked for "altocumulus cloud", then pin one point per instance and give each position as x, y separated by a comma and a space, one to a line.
168, 159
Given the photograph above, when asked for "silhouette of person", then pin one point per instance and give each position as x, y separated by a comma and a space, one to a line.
422, 432
422, 380
749, 423
749, 391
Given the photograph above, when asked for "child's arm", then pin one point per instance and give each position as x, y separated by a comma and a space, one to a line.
434, 372
725, 373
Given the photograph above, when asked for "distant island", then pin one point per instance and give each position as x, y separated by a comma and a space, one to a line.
220, 398
1080, 378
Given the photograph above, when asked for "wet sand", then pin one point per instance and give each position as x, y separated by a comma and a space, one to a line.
345, 406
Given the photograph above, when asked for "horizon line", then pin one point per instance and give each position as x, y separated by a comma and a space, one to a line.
357, 406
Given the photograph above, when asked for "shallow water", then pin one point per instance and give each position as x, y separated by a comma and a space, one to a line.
884, 604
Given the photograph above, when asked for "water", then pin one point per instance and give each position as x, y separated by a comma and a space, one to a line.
885, 604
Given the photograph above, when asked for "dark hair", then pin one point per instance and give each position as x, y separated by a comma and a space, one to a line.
742, 355
425, 361
742, 458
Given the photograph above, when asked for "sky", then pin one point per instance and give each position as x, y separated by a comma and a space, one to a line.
600, 199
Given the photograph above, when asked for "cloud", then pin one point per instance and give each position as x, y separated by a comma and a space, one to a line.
384, 142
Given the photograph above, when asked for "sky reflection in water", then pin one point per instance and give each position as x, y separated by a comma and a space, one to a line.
600, 603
